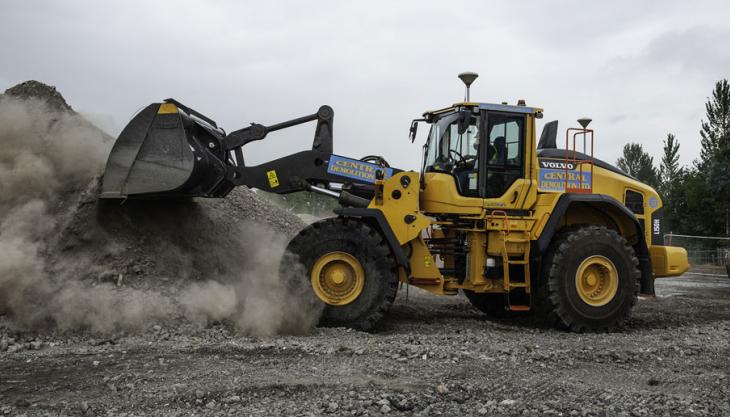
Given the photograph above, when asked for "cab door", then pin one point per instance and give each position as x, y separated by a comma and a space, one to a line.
507, 180
452, 168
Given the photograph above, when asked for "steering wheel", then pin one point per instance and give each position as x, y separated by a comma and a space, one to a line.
461, 160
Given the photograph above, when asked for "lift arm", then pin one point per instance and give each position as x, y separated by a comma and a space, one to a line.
170, 150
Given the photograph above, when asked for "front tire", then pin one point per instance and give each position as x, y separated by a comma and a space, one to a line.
350, 269
590, 280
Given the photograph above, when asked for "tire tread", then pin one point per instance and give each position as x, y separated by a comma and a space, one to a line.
550, 302
376, 251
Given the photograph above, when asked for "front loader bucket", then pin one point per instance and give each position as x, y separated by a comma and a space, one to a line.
166, 152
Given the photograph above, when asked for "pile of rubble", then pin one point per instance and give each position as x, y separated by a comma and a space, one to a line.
81, 262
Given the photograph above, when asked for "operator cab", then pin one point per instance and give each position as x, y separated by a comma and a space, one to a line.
484, 162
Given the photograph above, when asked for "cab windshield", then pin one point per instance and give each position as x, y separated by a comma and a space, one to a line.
453, 147
452, 142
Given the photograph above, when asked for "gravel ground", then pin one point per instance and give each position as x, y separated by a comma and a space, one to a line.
431, 356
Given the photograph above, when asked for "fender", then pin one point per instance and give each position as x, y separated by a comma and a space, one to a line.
377, 216
598, 200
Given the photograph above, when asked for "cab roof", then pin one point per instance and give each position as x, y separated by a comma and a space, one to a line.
486, 106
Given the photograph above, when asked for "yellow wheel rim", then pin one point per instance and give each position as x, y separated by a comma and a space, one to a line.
596, 280
337, 278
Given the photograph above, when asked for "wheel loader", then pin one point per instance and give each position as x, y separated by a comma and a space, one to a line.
515, 224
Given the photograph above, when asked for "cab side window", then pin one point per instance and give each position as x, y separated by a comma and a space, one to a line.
504, 152
634, 201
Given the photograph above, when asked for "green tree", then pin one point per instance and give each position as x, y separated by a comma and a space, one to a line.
671, 179
714, 164
697, 199
669, 168
688, 205
715, 132
638, 164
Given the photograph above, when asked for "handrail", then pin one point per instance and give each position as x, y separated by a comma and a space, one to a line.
578, 163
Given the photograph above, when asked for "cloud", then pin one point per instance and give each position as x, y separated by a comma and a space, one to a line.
696, 51
639, 70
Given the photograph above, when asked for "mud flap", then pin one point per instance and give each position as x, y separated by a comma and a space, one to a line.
647, 277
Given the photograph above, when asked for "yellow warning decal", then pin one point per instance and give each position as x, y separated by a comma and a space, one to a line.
273, 179
427, 261
167, 108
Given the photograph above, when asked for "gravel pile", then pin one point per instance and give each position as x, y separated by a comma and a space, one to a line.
32, 89
79, 263
163, 243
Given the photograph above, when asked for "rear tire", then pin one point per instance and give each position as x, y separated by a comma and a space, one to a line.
590, 280
365, 253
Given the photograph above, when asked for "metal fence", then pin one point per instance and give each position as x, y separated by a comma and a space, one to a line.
713, 257
706, 254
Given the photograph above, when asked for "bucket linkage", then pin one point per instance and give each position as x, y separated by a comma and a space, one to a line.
169, 150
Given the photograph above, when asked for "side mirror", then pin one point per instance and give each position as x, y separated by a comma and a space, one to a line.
414, 129
463, 122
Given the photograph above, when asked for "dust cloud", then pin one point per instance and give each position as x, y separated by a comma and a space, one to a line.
59, 246
256, 298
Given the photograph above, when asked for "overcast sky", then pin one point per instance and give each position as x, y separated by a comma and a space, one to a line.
640, 69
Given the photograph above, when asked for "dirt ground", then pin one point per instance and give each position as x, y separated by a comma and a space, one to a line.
431, 356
